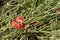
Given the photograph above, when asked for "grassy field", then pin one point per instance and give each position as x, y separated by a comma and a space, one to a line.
42, 19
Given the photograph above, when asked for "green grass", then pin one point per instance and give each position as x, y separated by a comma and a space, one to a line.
42, 20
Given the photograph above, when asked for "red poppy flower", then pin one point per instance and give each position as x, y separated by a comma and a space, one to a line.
18, 23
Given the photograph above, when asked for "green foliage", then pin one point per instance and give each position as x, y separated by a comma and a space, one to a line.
42, 20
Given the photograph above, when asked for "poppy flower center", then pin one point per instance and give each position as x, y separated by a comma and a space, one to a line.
19, 21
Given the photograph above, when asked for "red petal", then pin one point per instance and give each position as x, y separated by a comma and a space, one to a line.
20, 18
15, 25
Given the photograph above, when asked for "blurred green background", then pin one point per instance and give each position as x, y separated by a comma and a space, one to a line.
42, 19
